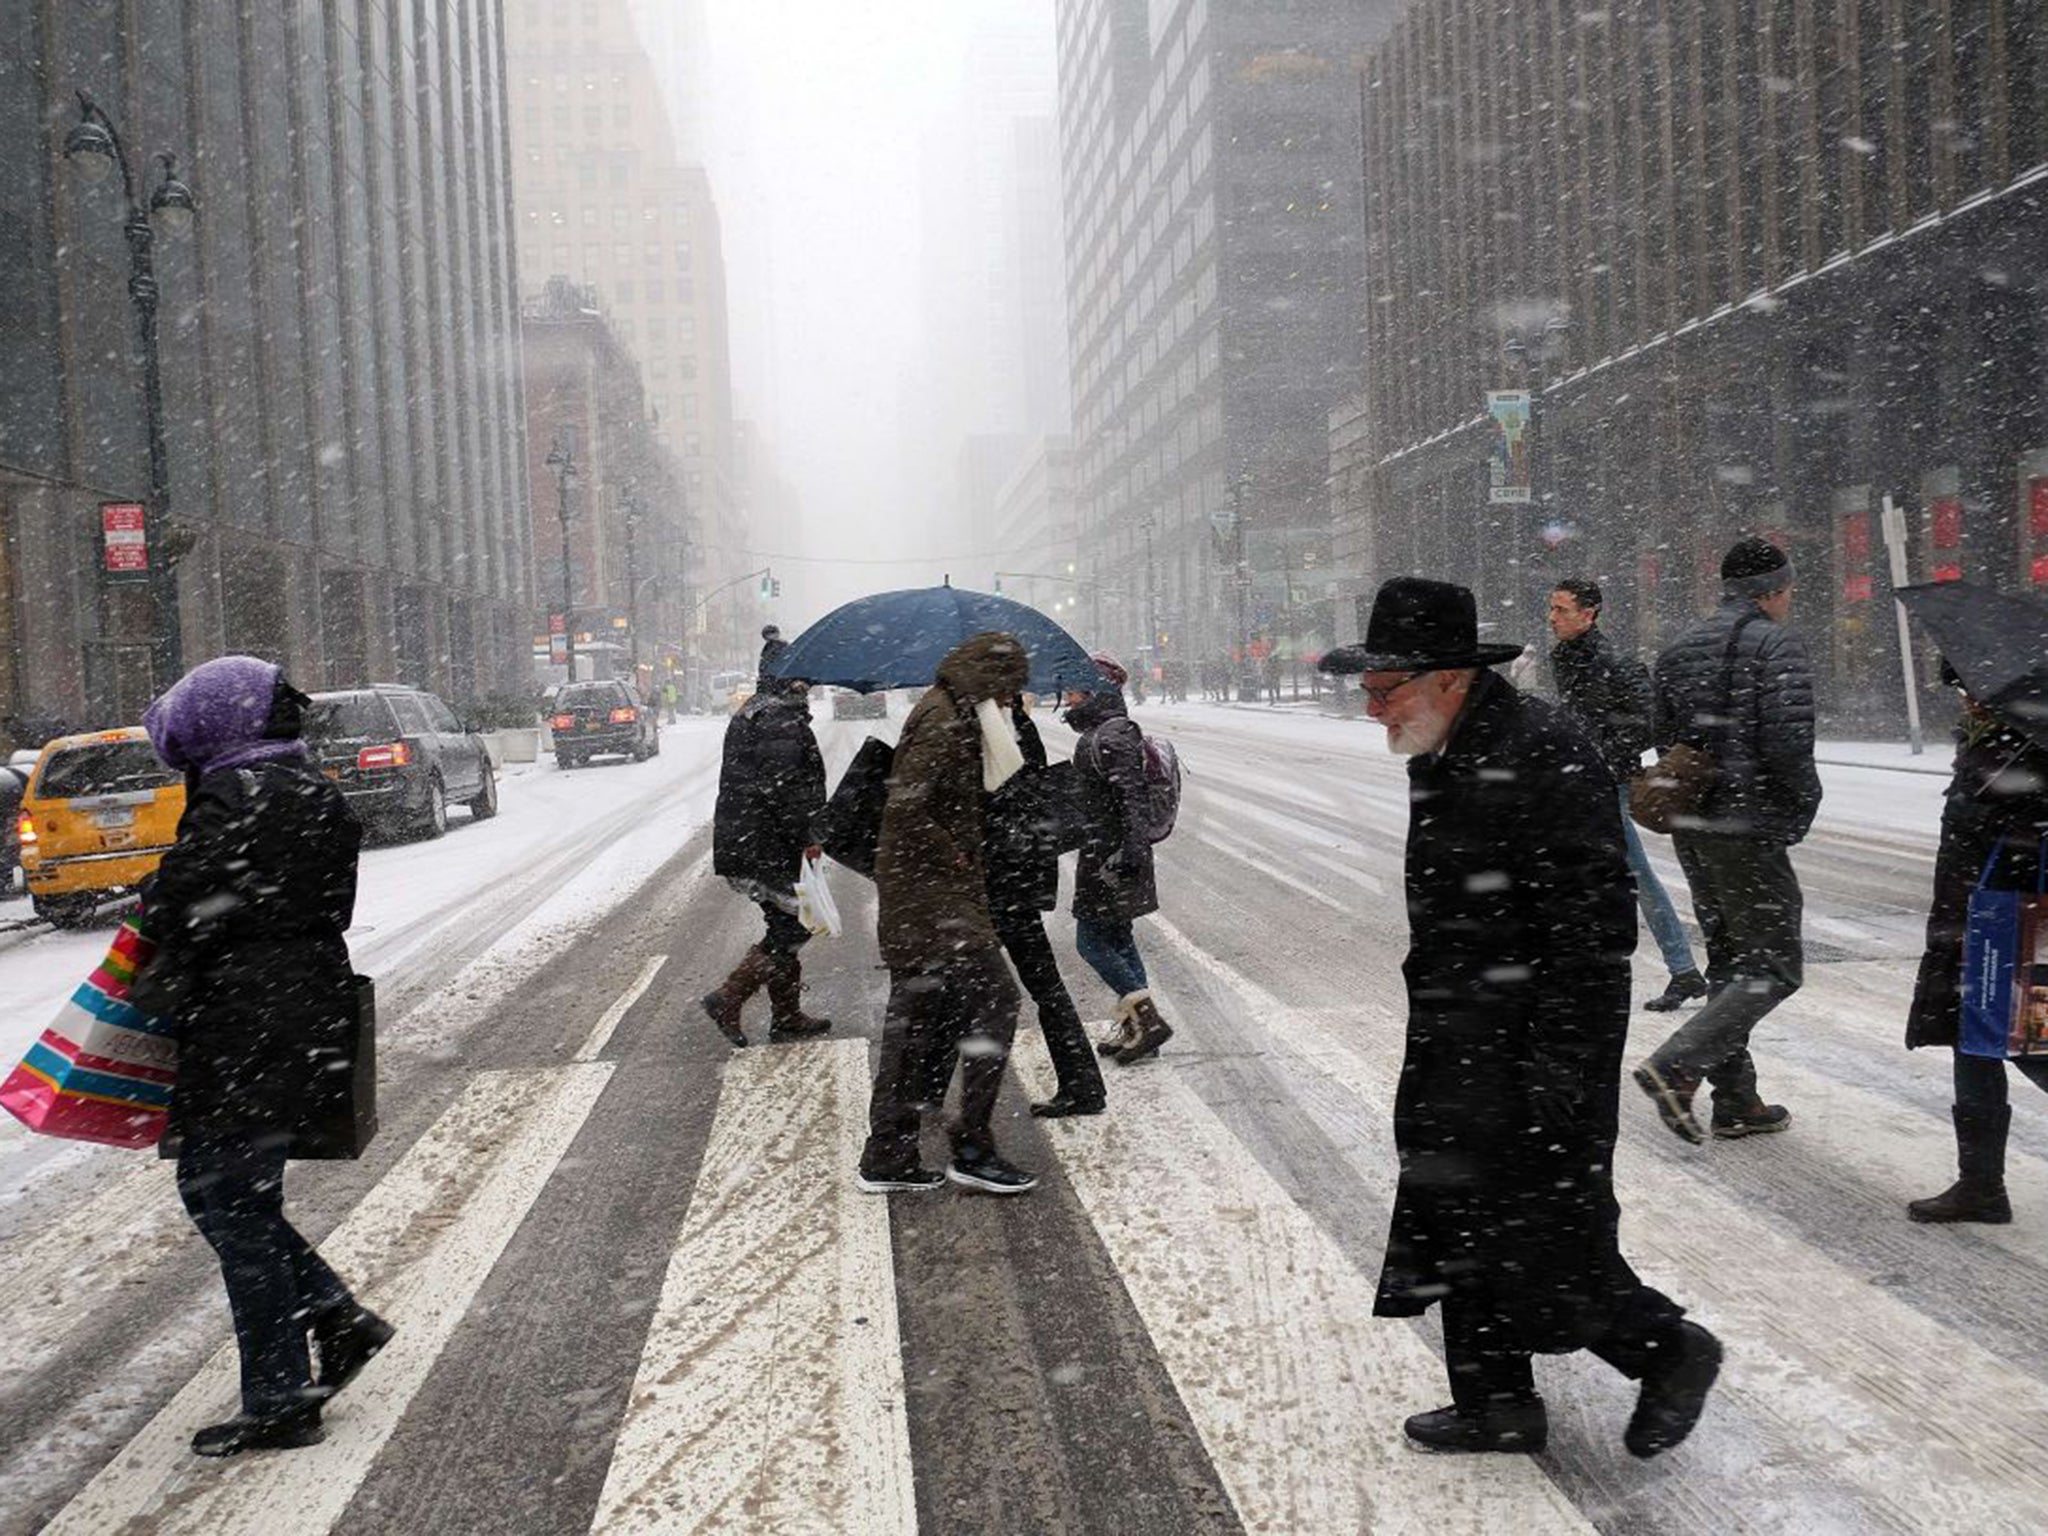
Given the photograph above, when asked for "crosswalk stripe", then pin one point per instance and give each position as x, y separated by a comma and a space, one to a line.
1266, 1331
421, 1243
601, 1032
1886, 1397
770, 1394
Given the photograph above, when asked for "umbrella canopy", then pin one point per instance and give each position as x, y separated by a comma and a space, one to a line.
898, 639
1997, 643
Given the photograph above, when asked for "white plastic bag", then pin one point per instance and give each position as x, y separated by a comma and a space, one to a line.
815, 908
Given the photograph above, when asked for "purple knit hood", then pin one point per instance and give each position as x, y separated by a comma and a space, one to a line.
214, 717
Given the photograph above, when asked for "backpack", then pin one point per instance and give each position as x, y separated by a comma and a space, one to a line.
1161, 806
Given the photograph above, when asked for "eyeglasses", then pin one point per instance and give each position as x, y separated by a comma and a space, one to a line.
1381, 696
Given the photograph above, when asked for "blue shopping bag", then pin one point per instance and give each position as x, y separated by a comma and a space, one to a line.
2005, 967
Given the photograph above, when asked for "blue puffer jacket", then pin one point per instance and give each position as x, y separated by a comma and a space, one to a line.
1759, 727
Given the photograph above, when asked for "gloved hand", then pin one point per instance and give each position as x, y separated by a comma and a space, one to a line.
1556, 1095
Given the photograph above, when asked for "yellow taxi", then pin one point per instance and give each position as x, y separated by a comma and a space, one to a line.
97, 815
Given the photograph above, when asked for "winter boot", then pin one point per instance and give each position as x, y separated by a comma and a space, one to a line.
1672, 1093
724, 1005
1152, 1030
1123, 1033
1512, 1427
1674, 1392
285, 1430
1732, 1121
787, 1020
1979, 1195
344, 1343
1683, 987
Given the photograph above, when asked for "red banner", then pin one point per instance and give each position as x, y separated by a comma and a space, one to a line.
125, 539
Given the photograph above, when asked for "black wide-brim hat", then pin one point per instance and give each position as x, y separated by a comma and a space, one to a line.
1419, 625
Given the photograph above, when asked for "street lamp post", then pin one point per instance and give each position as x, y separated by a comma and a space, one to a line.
94, 149
562, 460
1151, 589
632, 511
1247, 686
1529, 343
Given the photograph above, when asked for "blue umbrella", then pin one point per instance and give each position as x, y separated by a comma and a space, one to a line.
898, 639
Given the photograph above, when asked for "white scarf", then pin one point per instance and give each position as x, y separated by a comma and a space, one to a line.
1001, 758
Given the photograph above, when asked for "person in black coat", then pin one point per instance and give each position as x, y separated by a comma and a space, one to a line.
1114, 884
1521, 925
1021, 850
247, 912
1997, 804
771, 789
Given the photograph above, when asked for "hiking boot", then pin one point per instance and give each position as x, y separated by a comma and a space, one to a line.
1964, 1201
1683, 987
1758, 1119
345, 1343
725, 1004
1674, 1392
283, 1431
1512, 1427
787, 1019
1672, 1093
1123, 1031
900, 1181
1063, 1104
991, 1175
1151, 1031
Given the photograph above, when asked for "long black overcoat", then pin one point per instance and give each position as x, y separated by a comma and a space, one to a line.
247, 911
1021, 834
1114, 881
1997, 796
771, 787
1521, 921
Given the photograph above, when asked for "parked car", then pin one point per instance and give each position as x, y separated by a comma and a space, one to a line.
602, 719
13, 780
849, 705
401, 758
96, 817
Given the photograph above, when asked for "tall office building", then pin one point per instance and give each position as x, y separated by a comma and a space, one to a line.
1210, 160
338, 345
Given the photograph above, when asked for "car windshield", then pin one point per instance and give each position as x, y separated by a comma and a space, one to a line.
104, 768
347, 717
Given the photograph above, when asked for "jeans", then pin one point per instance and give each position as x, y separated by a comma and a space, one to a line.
1749, 905
1487, 1369
233, 1189
1665, 925
1111, 949
966, 1004
1030, 951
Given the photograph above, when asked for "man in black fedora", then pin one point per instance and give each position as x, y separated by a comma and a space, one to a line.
1521, 923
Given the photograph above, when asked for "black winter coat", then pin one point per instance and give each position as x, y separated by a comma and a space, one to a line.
1608, 694
1998, 795
1113, 880
247, 911
1521, 922
1759, 730
771, 788
1020, 834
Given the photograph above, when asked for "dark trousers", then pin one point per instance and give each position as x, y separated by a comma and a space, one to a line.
1749, 906
233, 1189
1487, 1370
1030, 951
784, 934
1981, 1084
964, 1006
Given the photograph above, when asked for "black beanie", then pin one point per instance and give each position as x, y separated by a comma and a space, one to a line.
1755, 567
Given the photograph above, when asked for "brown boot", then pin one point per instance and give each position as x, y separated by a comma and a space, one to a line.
1149, 1029
1123, 1030
746, 979
787, 1019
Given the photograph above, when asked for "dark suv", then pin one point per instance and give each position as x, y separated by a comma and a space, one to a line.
400, 756
592, 719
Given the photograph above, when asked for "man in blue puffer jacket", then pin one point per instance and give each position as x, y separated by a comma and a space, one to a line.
1738, 685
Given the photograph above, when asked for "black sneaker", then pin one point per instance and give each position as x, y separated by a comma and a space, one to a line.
1672, 1095
1061, 1105
284, 1431
1683, 987
1516, 1428
1758, 1120
1674, 1393
992, 1176
902, 1181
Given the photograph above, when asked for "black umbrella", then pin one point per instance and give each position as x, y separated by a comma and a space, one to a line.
1997, 643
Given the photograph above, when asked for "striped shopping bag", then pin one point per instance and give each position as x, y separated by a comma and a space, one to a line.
103, 1070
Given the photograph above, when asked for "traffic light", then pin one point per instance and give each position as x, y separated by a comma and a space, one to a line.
766, 583
775, 586
999, 584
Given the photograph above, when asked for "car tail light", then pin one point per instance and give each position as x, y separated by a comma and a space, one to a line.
25, 829
562, 722
625, 716
392, 755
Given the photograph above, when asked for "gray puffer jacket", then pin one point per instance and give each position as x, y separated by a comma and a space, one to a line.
1759, 728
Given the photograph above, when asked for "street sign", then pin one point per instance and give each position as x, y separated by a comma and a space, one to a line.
558, 639
1508, 480
125, 540
1893, 522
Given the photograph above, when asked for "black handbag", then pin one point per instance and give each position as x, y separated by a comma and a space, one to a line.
850, 827
340, 1119
1671, 793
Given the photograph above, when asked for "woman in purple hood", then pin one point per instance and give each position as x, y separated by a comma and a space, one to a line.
248, 912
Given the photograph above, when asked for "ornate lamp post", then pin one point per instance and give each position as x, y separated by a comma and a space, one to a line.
94, 150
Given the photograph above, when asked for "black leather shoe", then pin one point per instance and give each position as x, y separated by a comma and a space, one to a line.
284, 1431
1061, 1105
1683, 987
1511, 1427
1674, 1393
346, 1344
